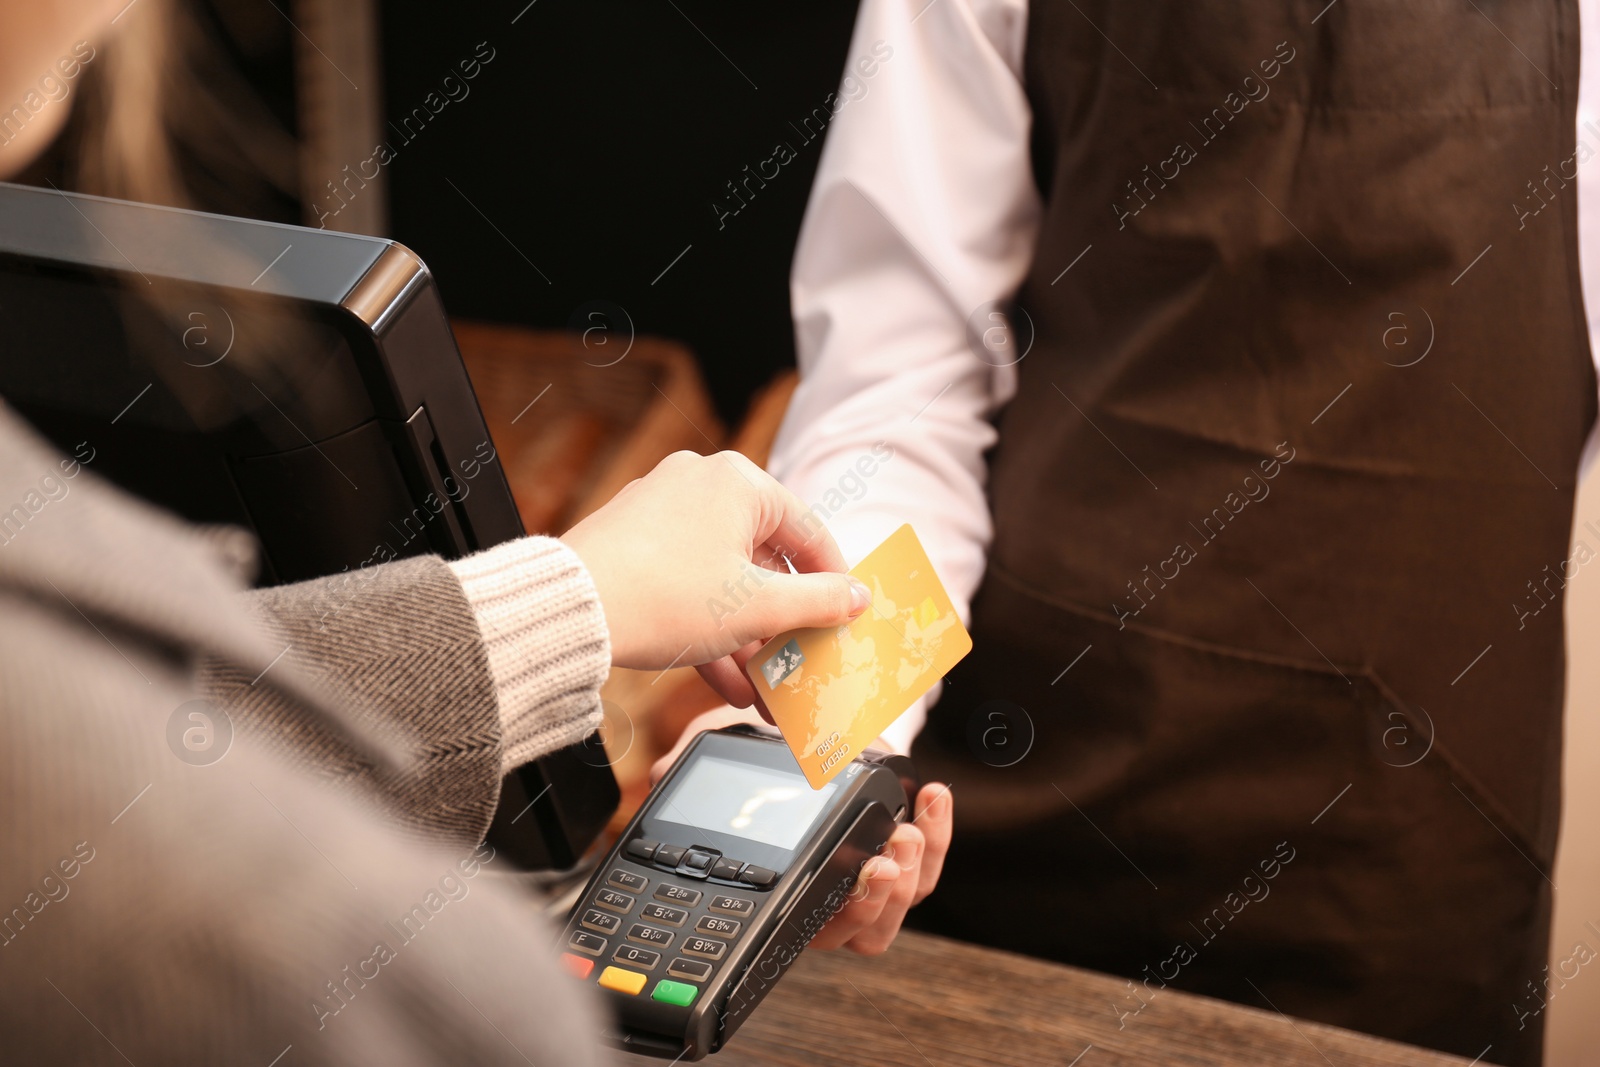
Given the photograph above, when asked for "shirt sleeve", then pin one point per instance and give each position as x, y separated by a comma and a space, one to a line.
921, 221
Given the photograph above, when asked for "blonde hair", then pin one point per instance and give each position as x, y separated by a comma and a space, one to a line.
163, 102
168, 120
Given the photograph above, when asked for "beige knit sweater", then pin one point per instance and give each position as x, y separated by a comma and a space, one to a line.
545, 635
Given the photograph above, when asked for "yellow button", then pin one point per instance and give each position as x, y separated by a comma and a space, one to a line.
622, 981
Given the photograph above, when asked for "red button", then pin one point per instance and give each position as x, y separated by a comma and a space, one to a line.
577, 966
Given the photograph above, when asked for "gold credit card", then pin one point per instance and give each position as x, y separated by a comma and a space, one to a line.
832, 691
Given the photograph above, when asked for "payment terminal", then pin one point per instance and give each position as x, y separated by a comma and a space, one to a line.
729, 869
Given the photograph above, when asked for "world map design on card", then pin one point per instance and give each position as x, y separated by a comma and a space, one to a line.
833, 690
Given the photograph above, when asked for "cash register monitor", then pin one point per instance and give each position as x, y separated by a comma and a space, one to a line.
299, 383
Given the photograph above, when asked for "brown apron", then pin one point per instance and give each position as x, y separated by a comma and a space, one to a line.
1266, 695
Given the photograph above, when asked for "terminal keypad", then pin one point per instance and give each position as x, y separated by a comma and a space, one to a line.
631, 922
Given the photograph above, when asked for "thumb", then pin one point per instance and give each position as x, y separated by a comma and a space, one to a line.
791, 601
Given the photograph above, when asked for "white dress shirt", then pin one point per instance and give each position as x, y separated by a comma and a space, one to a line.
924, 209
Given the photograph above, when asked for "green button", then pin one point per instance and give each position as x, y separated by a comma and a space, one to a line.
679, 993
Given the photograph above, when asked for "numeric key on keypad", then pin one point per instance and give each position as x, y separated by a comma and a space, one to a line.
606, 923
633, 883
728, 905
612, 900
705, 948
650, 935
660, 913
713, 924
677, 894
643, 958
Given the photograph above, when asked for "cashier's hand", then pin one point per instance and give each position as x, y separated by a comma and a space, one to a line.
688, 562
890, 883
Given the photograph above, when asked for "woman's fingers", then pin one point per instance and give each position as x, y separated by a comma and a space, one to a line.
791, 601
683, 563
729, 681
787, 527
727, 676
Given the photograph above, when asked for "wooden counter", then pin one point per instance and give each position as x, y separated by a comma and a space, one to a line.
931, 1002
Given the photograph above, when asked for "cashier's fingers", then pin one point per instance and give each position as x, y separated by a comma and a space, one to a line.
877, 937
864, 905
872, 916
897, 880
936, 819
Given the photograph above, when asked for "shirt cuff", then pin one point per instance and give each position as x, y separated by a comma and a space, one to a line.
545, 634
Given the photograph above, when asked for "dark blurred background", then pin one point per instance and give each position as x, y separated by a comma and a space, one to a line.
579, 167
597, 141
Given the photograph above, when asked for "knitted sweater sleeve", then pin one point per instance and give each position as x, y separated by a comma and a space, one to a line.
545, 635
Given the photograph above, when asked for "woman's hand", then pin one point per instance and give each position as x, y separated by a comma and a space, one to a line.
688, 561
890, 883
